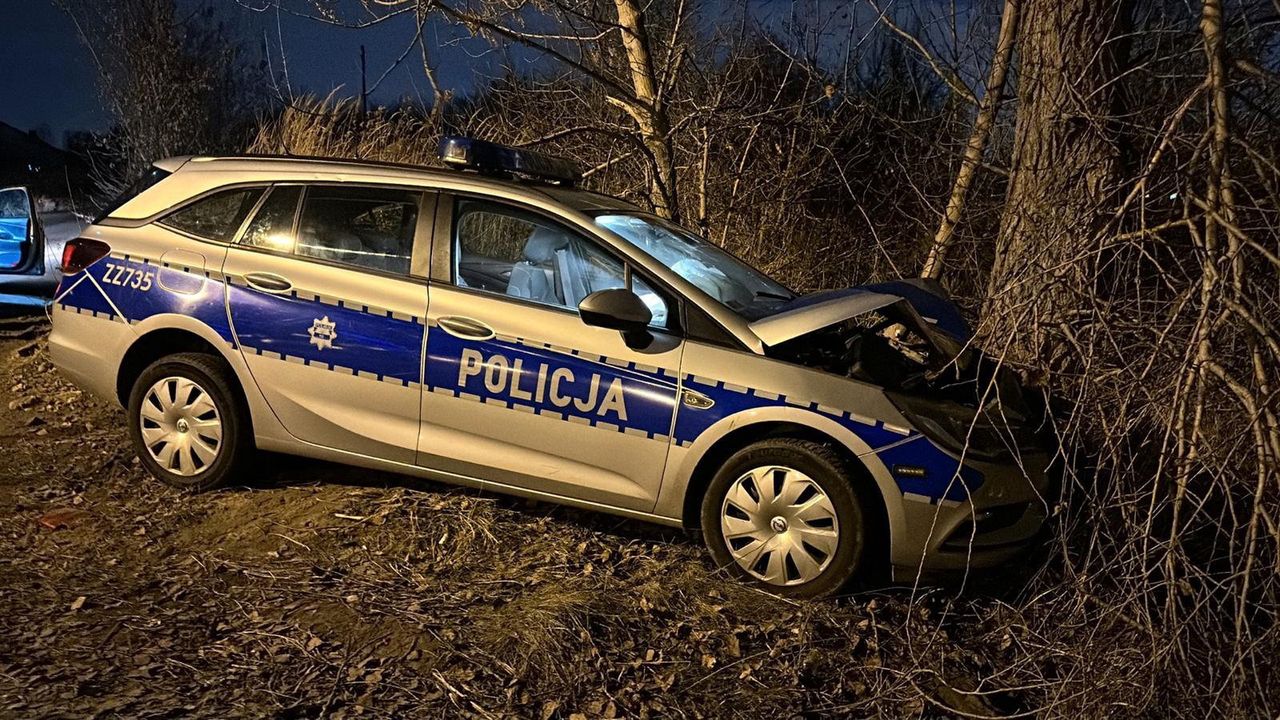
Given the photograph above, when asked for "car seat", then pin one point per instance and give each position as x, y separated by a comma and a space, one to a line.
533, 277
325, 235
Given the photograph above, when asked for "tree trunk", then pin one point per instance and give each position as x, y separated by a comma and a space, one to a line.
648, 109
1064, 169
987, 109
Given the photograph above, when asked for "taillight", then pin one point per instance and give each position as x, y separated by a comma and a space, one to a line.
81, 253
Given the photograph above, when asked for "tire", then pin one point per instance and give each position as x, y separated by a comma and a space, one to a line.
784, 545
201, 437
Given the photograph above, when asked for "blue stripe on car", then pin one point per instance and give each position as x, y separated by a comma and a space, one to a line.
526, 378
200, 297
945, 478
387, 347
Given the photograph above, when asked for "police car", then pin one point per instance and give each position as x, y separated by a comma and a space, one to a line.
496, 327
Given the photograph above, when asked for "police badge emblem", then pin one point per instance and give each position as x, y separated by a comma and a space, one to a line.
323, 332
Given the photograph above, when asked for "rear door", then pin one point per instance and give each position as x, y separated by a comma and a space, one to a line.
328, 312
519, 390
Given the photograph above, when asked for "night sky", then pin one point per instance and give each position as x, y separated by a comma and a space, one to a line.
47, 77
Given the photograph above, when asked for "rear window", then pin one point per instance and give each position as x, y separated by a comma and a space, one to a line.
152, 176
216, 217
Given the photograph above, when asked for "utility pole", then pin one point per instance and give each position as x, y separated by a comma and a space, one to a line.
364, 92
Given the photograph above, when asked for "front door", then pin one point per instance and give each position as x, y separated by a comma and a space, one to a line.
519, 390
328, 315
26, 279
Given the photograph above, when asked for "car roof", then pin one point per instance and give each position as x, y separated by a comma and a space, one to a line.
256, 168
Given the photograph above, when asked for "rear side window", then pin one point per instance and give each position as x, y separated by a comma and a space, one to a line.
216, 217
272, 227
152, 176
368, 227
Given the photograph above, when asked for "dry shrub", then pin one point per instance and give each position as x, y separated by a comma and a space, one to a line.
1165, 587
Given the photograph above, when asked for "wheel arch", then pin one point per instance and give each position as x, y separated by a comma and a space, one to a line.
160, 340
735, 435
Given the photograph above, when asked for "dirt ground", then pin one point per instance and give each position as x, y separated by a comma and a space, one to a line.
321, 590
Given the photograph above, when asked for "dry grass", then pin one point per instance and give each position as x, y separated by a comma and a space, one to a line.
335, 128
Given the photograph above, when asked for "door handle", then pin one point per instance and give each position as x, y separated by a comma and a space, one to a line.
465, 328
268, 282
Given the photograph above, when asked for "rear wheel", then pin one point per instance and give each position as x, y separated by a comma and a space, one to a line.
187, 422
784, 515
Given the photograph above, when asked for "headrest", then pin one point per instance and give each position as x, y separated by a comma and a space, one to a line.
543, 243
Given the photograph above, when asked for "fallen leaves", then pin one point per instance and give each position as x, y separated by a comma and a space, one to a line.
63, 518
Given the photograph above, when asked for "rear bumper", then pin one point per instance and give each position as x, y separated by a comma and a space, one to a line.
87, 348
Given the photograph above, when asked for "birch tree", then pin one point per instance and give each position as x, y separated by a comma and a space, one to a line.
609, 46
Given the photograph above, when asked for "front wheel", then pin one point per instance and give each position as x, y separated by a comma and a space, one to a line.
187, 423
783, 514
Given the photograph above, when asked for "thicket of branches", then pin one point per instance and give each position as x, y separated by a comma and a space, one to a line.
1097, 180
173, 78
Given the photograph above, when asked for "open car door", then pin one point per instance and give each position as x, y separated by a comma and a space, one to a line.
27, 277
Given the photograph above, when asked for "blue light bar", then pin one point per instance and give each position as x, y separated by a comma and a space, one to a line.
491, 158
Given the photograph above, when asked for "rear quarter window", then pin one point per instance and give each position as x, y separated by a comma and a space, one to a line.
216, 217
150, 177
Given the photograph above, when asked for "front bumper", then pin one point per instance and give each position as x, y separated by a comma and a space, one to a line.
989, 529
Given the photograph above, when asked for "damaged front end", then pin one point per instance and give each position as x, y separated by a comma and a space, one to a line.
912, 343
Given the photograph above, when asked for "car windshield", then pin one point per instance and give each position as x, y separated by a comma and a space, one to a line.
733, 283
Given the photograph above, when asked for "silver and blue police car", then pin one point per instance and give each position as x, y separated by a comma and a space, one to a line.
501, 329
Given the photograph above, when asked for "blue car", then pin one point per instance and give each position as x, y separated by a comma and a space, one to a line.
27, 279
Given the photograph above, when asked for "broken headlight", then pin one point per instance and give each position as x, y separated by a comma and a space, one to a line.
965, 431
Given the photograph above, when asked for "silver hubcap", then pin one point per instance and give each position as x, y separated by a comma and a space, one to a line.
779, 525
181, 427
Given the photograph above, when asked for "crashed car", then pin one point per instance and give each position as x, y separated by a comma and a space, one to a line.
497, 327
27, 278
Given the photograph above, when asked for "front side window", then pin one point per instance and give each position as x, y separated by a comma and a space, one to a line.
733, 283
518, 254
216, 217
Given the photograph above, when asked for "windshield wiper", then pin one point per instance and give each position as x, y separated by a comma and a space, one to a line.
767, 294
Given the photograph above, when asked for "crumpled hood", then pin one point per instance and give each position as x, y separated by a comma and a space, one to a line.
818, 310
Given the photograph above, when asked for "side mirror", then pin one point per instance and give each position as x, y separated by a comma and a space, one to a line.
618, 309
